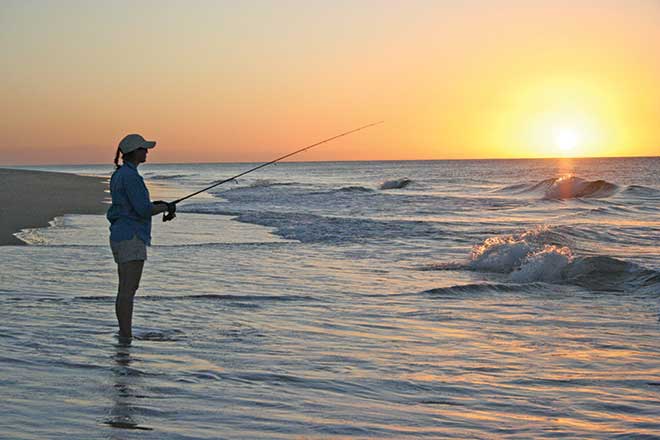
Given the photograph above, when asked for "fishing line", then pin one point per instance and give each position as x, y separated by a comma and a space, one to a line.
274, 161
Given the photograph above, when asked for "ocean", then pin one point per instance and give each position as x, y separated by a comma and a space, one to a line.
481, 299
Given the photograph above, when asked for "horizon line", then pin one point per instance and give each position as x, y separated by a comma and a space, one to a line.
347, 161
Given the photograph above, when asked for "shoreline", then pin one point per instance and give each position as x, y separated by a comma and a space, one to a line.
32, 199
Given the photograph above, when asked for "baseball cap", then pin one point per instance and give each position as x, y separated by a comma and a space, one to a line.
134, 142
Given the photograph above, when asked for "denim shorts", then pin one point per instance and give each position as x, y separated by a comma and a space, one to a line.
129, 250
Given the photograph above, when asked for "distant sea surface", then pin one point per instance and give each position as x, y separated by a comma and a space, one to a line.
350, 300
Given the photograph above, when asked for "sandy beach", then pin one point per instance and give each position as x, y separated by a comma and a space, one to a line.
30, 199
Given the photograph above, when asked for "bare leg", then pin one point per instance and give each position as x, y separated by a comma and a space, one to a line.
129, 281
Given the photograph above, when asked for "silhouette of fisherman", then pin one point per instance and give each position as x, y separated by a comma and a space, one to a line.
130, 224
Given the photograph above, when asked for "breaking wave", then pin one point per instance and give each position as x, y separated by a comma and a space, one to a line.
574, 187
396, 184
565, 187
544, 255
506, 253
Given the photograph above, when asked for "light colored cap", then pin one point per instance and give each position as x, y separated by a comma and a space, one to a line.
134, 142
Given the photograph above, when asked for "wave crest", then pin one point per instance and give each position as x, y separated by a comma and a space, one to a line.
396, 184
565, 187
505, 253
574, 187
544, 255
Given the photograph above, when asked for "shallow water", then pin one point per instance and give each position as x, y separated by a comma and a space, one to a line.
332, 300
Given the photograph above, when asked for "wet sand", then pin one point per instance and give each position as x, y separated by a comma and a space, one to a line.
31, 199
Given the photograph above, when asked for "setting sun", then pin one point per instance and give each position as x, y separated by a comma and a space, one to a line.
566, 140
576, 116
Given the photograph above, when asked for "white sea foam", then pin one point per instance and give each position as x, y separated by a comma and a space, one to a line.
545, 265
527, 257
498, 254
539, 255
536, 250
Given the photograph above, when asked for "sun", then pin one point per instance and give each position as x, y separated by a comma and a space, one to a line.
561, 116
567, 140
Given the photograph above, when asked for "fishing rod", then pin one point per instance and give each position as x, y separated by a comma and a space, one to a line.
269, 163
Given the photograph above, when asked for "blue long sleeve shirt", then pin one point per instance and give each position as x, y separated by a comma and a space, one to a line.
130, 212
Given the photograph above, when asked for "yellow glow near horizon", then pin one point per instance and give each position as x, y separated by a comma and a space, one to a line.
246, 81
573, 117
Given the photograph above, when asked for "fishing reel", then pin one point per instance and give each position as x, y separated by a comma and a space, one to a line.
170, 214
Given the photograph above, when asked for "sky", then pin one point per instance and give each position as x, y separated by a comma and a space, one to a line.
245, 81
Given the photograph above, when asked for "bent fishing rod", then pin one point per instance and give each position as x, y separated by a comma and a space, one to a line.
273, 161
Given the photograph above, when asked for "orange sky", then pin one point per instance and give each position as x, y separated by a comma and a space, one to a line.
249, 81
